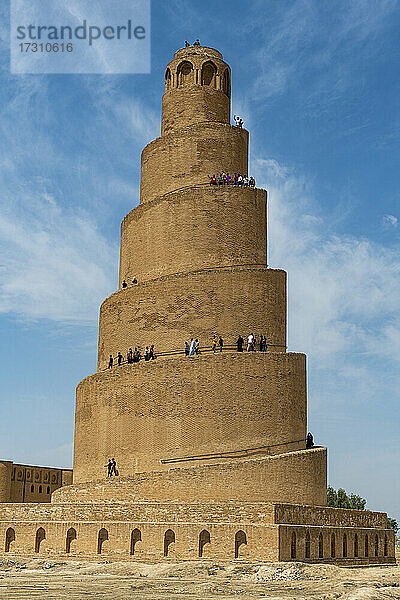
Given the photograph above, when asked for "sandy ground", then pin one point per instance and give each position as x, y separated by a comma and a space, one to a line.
22, 579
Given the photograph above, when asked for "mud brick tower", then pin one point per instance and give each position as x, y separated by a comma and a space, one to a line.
210, 448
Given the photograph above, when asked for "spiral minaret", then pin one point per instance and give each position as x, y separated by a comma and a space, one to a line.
199, 254
210, 448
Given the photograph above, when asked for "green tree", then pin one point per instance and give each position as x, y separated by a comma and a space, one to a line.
342, 499
356, 502
392, 524
332, 497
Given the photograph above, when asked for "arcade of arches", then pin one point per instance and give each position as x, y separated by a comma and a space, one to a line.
208, 74
310, 544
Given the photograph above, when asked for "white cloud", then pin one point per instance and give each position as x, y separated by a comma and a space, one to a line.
272, 166
55, 261
344, 314
141, 121
310, 35
343, 291
390, 221
54, 265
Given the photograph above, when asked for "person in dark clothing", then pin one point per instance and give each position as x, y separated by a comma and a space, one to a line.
151, 353
114, 467
110, 362
136, 356
146, 353
239, 343
119, 359
187, 348
197, 43
186, 44
129, 356
309, 440
109, 467
220, 343
261, 343
124, 284
134, 280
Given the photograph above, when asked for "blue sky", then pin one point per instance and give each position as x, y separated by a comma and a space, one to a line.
317, 85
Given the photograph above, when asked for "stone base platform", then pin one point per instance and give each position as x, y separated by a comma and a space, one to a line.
258, 531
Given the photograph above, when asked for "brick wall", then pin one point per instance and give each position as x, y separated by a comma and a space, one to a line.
27, 483
338, 545
168, 312
194, 104
206, 228
143, 538
189, 230
187, 156
258, 542
174, 407
291, 477
338, 517
129, 511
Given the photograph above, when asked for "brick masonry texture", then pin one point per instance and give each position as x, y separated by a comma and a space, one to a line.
318, 515
210, 449
28, 483
174, 407
192, 101
284, 477
255, 524
186, 157
336, 545
187, 106
167, 312
183, 231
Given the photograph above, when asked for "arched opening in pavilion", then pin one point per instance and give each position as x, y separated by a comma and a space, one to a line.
185, 73
208, 74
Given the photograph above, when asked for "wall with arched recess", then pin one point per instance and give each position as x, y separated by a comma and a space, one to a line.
185, 73
168, 79
267, 533
333, 544
28, 483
